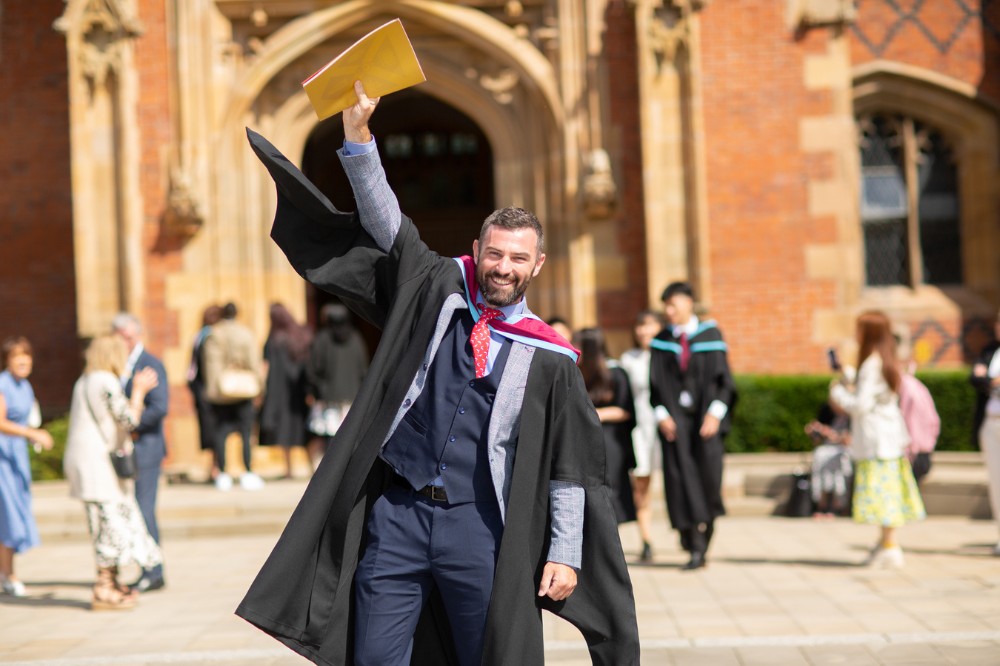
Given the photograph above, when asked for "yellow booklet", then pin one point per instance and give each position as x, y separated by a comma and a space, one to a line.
383, 60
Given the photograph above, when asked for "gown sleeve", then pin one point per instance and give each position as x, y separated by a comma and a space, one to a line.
331, 249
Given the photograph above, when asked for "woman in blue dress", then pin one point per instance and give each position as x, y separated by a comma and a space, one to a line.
18, 531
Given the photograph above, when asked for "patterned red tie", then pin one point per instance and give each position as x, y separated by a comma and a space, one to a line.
480, 339
685, 352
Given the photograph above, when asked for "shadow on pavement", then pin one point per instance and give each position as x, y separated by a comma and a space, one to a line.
804, 562
59, 583
44, 600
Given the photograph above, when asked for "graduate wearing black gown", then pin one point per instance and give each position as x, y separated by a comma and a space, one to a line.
303, 595
692, 394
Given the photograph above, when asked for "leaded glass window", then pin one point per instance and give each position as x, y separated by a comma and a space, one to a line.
909, 203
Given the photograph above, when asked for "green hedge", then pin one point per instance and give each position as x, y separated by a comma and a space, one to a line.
47, 465
770, 415
773, 409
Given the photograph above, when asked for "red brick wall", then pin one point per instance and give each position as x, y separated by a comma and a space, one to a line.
163, 251
757, 177
617, 308
37, 285
944, 36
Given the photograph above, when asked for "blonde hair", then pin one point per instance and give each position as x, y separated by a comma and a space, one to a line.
106, 352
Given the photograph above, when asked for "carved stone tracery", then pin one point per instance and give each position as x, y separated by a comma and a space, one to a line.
105, 26
670, 27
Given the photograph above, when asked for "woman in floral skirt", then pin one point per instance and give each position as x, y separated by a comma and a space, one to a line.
885, 492
100, 418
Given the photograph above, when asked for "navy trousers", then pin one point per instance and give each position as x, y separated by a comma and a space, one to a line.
147, 482
413, 544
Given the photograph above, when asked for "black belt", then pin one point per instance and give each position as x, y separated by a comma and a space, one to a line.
436, 493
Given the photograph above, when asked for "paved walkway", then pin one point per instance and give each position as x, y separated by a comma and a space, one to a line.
777, 591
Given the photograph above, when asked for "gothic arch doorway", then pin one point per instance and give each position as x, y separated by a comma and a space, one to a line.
437, 160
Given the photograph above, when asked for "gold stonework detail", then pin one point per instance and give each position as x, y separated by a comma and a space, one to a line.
805, 14
183, 216
600, 193
105, 25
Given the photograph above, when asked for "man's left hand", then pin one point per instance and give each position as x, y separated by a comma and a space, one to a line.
356, 117
558, 581
709, 426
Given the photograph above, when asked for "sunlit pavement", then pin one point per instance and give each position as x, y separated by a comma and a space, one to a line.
776, 591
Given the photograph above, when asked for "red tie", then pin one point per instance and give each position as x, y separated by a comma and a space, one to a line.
480, 339
685, 352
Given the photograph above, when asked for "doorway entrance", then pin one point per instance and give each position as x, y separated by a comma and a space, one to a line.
438, 162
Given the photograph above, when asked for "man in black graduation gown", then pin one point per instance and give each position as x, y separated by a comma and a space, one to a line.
692, 393
472, 525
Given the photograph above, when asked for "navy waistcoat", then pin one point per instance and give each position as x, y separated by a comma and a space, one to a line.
444, 434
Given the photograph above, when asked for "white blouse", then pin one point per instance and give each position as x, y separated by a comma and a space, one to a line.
99, 422
877, 427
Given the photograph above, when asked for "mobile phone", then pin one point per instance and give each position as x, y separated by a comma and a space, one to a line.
831, 356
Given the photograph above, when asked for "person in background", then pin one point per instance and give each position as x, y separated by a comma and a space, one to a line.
283, 412
338, 361
608, 388
560, 326
885, 492
18, 531
150, 444
100, 418
692, 393
985, 379
230, 345
922, 422
645, 442
830, 479
196, 383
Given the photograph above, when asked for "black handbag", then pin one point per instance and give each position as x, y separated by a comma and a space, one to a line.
124, 463
800, 503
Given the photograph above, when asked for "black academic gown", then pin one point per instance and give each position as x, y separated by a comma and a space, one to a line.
692, 466
303, 595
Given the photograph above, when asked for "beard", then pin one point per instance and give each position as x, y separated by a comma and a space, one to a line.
497, 296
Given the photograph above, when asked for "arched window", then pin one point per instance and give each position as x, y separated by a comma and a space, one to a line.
909, 203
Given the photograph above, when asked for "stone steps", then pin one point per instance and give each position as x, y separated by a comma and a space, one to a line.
753, 485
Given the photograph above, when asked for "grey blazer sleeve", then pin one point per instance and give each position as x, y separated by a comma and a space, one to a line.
377, 204
566, 503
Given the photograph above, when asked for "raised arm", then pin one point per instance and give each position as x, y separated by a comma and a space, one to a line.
378, 208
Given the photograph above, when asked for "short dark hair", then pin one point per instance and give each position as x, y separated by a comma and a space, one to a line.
643, 315
513, 217
675, 288
13, 344
229, 310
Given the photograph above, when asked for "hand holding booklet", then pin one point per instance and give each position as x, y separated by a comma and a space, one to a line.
383, 60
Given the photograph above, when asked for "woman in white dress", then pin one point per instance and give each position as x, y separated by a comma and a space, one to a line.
100, 419
644, 440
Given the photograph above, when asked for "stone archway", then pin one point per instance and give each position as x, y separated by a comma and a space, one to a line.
438, 161
522, 90
477, 65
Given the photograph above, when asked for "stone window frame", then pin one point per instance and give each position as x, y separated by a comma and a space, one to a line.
971, 123
909, 138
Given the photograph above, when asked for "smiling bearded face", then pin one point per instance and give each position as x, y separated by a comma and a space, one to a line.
506, 261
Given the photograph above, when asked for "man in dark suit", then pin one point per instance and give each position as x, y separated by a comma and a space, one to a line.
150, 445
465, 489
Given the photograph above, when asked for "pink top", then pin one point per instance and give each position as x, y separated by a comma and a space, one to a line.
920, 415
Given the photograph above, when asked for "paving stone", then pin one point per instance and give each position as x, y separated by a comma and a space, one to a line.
777, 591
